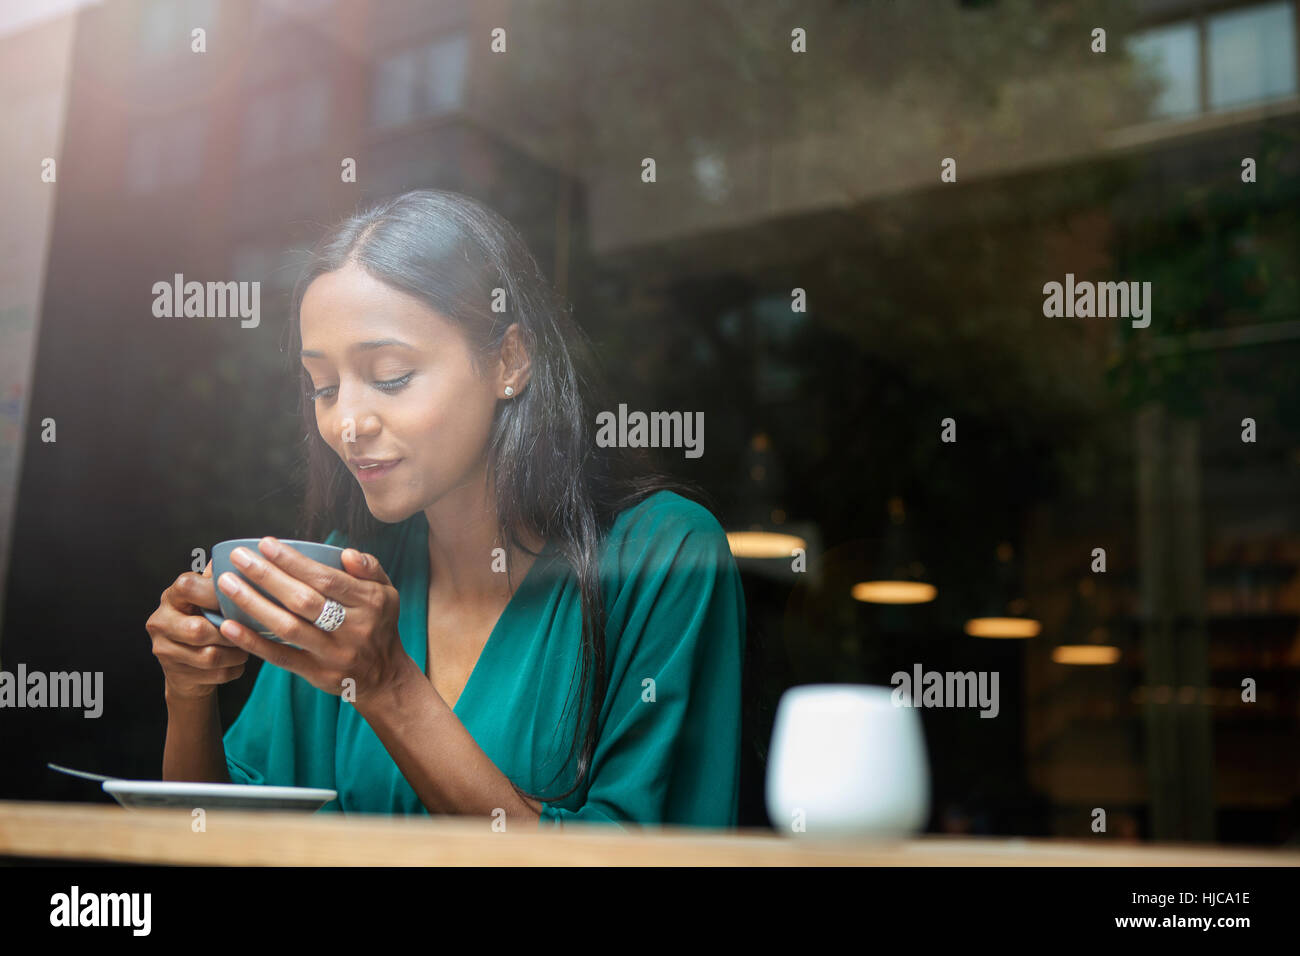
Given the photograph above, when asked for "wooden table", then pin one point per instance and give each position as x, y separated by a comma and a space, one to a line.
96, 832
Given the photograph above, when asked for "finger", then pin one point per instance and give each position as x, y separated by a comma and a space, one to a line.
291, 659
299, 597
288, 625
201, 590
324, 580
364, 566
192, 629
207, 657
190, 591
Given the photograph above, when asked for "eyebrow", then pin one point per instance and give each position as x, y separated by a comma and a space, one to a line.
362, 347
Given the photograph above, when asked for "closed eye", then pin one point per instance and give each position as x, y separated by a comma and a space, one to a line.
391, 385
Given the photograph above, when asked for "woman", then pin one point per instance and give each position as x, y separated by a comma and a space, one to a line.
495, 554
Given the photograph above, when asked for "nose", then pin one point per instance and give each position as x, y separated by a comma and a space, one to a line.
356, 418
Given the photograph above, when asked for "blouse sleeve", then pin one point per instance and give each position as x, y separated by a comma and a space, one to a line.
668, 751
285, 734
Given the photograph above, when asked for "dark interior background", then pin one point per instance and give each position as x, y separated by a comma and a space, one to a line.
775, 171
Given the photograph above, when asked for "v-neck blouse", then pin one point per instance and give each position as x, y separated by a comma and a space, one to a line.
668, 745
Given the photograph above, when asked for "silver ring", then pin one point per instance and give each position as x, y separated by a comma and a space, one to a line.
331, 616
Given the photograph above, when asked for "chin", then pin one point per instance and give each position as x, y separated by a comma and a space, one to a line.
388, 514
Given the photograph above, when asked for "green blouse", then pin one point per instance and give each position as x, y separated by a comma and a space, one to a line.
668, 749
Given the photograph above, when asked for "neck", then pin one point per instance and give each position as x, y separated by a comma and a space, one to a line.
462, 536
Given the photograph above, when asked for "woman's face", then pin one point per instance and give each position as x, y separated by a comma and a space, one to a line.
395, 378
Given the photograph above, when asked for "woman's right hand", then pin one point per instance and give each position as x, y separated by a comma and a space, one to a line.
196, 658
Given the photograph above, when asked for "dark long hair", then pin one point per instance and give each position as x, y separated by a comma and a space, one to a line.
550, 477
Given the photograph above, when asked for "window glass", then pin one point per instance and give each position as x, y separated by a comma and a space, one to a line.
1169, 54
1251, 55
394, 94
444, 73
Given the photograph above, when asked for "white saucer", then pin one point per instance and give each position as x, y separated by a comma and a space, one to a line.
146, 794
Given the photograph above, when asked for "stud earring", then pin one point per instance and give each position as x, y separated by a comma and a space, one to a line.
509, 391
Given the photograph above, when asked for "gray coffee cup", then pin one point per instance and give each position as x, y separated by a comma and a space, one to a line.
326, 554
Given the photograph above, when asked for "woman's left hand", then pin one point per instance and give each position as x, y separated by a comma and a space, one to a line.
366, 648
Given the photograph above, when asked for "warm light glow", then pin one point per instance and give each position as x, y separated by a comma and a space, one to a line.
1003, 627
763, 544
1085, 654
893, 592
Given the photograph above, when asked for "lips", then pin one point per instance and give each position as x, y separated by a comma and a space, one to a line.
371, 468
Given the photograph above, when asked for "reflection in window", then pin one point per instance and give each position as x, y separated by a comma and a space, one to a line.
143, 161
421, 81
308, 116
394, 91
778, 320
163, 155
252, 263
444, 74
259, 131
1170, 56
710, 168
186, 152
1251, 55
284, 121
165, 25
273, 13
273, 265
